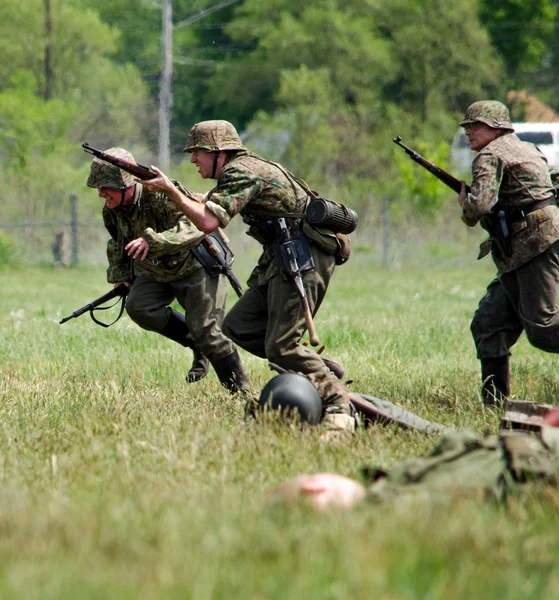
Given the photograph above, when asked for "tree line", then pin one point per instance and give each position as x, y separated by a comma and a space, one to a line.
322, 87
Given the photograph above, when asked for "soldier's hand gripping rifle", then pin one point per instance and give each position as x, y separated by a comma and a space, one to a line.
288, 246
145, 173
120, 291
495, 223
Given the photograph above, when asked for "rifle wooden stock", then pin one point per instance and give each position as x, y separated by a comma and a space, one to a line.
140, 171
448, 179
121, 290
494, 223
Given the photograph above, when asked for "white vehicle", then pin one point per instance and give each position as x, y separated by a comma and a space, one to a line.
544, 135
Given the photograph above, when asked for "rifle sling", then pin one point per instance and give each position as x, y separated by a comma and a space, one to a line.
122, 299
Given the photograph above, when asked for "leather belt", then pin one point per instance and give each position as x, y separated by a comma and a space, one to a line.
522, 213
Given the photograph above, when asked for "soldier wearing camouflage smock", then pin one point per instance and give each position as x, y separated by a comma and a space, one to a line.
513, 177
268, 319
461, 464
150, 250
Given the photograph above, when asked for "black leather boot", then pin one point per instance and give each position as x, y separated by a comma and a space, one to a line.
230, 373
177, 330
495, 375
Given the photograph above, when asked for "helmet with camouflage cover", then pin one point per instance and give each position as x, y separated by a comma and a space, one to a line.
292, 394
213, 136
489, 112
103, 174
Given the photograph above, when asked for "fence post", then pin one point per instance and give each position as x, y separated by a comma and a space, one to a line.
385, 230
74, 228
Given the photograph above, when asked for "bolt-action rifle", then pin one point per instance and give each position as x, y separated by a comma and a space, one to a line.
120, 291
288, 245
495, 223
145, 173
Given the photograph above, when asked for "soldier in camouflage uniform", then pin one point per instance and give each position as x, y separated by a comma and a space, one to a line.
268, 320
149, 250
461, 464
512, 176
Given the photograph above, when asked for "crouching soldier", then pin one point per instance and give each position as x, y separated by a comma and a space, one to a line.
268, 320
152, 250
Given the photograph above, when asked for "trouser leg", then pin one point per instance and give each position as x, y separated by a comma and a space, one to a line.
204, 298
230, 373
246, 322
147, 305
177, 330
533, 290
286, 325
495, 329
495, 326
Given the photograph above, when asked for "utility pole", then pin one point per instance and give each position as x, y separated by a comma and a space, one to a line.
48, 49
165, 81
165, 93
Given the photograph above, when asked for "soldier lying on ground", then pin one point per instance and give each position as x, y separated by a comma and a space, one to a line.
150, 250
460, 464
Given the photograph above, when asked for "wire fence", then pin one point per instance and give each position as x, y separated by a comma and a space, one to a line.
387, 242
64, 243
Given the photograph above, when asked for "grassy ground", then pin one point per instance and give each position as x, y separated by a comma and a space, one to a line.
119, 480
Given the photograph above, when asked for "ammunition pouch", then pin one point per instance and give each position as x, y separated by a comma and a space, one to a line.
331, 215
218, 258
301, 246
497, 226
344, 249
261, 229
334, 244
522, 213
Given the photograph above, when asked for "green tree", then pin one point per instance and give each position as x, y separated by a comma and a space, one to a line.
442, 58
92, 96
521, 30
340, 79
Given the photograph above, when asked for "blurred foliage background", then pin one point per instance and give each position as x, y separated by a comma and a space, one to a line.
322, 87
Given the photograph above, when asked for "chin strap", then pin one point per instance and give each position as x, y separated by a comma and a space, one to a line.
214, 168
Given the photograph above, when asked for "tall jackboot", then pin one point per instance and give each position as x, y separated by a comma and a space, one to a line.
495, 375
230, 372
177, 330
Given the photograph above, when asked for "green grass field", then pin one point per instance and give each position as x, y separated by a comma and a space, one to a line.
119, 480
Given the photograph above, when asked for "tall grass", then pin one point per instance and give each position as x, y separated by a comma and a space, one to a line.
119, 480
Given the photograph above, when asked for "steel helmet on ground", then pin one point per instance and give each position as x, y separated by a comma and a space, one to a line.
213, 136
103, 174
292, 394
490, 112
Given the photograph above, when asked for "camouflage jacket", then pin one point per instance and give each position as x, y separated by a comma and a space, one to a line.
254, 187
170, 234
466, 463
513, 174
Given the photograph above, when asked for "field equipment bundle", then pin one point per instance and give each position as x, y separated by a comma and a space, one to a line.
331, 215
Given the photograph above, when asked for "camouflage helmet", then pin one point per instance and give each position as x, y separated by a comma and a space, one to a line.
490, 112
103, 174
292, 394
213, 136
